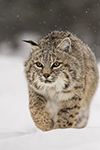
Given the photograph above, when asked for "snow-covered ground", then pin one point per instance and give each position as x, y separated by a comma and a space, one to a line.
17, 130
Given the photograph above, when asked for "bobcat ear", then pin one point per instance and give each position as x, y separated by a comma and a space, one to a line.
65, 44
34, 45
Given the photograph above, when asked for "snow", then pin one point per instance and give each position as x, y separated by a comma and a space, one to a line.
17, 130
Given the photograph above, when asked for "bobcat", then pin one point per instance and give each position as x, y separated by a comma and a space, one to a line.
62, 78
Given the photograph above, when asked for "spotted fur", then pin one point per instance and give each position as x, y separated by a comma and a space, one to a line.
62, 78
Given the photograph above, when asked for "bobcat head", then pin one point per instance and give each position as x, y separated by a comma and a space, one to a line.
51, 65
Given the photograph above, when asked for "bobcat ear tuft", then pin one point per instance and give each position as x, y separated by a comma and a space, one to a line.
65, 45
33, 44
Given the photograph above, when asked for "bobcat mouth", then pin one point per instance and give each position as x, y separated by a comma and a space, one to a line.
47, 81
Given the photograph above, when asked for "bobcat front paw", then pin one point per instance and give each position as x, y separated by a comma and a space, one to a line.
63, 124
44, 124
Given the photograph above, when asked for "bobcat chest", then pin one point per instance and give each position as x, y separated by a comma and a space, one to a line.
53, 99
52, 104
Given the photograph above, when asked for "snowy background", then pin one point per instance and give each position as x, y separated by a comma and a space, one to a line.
17, 130
30, 20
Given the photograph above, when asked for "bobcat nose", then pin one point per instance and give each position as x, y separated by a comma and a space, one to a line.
46, 75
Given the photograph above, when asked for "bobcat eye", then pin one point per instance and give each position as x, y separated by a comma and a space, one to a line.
38, 64
56, 64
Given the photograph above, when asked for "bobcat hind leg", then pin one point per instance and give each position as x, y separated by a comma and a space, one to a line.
82, 119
